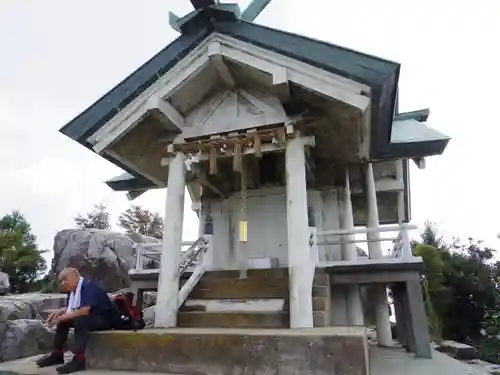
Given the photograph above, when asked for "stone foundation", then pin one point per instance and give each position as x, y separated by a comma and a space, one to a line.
189, 351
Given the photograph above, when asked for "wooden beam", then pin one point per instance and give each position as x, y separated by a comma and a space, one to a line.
382, 184
215, 57
420, 115
133, 167
267, 147
203, 179
420, 162
254, 9
310, 166
168, 110
194, 190
322, 85
280, 84
173, 21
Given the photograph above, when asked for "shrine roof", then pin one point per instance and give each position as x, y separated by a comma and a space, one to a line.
380, 74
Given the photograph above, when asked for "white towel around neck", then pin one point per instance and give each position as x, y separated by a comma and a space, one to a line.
75, 297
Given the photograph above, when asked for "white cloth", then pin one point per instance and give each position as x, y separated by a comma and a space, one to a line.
75, 298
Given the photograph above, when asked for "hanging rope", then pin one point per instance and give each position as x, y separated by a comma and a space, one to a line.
257, 146
213, 161
243, 204
237, 157
243, 227
281, 136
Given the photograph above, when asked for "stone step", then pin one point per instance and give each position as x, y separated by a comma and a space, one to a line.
332, 350
231, 305
320, 278
243, 319
320, 291
251, 273
213, 282
239, 289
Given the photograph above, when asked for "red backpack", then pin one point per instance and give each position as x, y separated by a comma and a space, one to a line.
128, 316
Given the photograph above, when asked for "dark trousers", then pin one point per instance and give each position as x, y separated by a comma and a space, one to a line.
83, 325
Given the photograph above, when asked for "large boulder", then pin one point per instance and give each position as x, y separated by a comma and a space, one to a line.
28, 306
103, 256
22, 330
24, 338
4, 283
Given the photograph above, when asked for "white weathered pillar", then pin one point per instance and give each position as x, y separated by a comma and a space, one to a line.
168, 282
300, 272
350, 252
404, 235
373, 237
384, 335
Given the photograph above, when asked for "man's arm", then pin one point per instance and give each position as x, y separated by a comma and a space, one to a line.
82, 311
86, 303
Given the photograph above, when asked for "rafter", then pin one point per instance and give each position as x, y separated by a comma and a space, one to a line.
214, 54
280, 84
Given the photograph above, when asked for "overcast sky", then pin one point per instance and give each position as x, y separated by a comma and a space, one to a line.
58, 56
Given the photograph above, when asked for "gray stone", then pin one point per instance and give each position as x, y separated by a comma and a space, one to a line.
23, 338
4, 283
22, 332
458, 350
318, 351
102, 256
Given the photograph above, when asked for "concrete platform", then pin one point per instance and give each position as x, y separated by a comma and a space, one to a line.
319, 351
383, 361
396, 361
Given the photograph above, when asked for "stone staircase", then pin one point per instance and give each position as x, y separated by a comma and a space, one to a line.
230, 325
222, 299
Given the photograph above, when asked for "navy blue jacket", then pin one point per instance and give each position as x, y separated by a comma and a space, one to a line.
93, 296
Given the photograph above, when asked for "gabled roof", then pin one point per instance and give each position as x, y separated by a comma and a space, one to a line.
381, 75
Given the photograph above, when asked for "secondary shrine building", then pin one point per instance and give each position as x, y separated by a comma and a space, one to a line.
290, 149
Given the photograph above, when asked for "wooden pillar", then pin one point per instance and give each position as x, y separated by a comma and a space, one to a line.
168, 283
301, 270
384, 335
350, 252
404, 236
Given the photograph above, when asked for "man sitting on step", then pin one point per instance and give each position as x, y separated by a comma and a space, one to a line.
89, 308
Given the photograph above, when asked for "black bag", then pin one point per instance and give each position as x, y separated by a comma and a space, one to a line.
127, 316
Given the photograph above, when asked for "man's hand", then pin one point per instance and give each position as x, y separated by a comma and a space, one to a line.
55, 314
53, 322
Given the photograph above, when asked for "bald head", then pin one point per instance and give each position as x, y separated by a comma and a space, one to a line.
68, 279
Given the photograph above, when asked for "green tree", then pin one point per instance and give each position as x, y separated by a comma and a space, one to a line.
139, 220
98, 218
432, 285
20, 257
460, 286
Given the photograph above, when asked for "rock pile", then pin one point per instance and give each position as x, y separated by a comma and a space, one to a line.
22, 330
105, 257
4, 283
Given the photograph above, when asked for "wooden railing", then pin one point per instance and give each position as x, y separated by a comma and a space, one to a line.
147, 252
196, 257
401, 243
